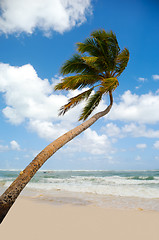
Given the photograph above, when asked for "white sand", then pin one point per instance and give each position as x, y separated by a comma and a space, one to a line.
37, 220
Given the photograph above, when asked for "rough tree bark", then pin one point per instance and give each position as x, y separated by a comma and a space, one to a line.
10, 195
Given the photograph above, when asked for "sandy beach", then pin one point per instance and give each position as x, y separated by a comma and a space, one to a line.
38, 220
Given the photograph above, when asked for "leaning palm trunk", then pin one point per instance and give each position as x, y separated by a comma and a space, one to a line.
97, 66
10, 195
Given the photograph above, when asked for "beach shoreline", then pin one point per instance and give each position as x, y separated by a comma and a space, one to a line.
108, 189
35, 219
61, 197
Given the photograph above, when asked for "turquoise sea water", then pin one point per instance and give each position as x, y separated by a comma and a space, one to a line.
128, 189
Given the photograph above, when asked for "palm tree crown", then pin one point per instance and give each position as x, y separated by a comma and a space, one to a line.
97, 66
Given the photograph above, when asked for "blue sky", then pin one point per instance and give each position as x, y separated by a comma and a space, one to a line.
36, 37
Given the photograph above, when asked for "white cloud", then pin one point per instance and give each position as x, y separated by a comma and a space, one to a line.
47, 130
155, 77
138, 158
129, 130
4, 148
26, 95
141, 146
140, 130
14, 145
58, 15
156, 145
31, 100
141, 79
137, 87
112, 130
92, 143
132, 107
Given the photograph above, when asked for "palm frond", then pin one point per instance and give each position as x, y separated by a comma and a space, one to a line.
93, 102
108, 44
89, 46
99, 61
102, 45
90, 60
109, 85
121, 62
78, 65
74, 101
77, 81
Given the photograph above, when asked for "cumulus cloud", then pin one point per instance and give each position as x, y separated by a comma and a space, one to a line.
141, 79
155, 77
129, 130
19, 16
112, 130
91, 142
14, 145
94, 143
31, 100
141, 146
4, 148
47, 129
26, 95
139, 130
156, 145
132, 107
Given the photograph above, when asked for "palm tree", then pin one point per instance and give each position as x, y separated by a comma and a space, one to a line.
97, 66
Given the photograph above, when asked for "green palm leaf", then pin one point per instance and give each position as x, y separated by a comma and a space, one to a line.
89, 46
109, 84
108, 44
77, 65
74, 101
121, 62
97, 65
98, 62
93, 102
102, 45
78, 81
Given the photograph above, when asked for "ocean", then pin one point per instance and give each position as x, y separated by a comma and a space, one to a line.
115, 189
